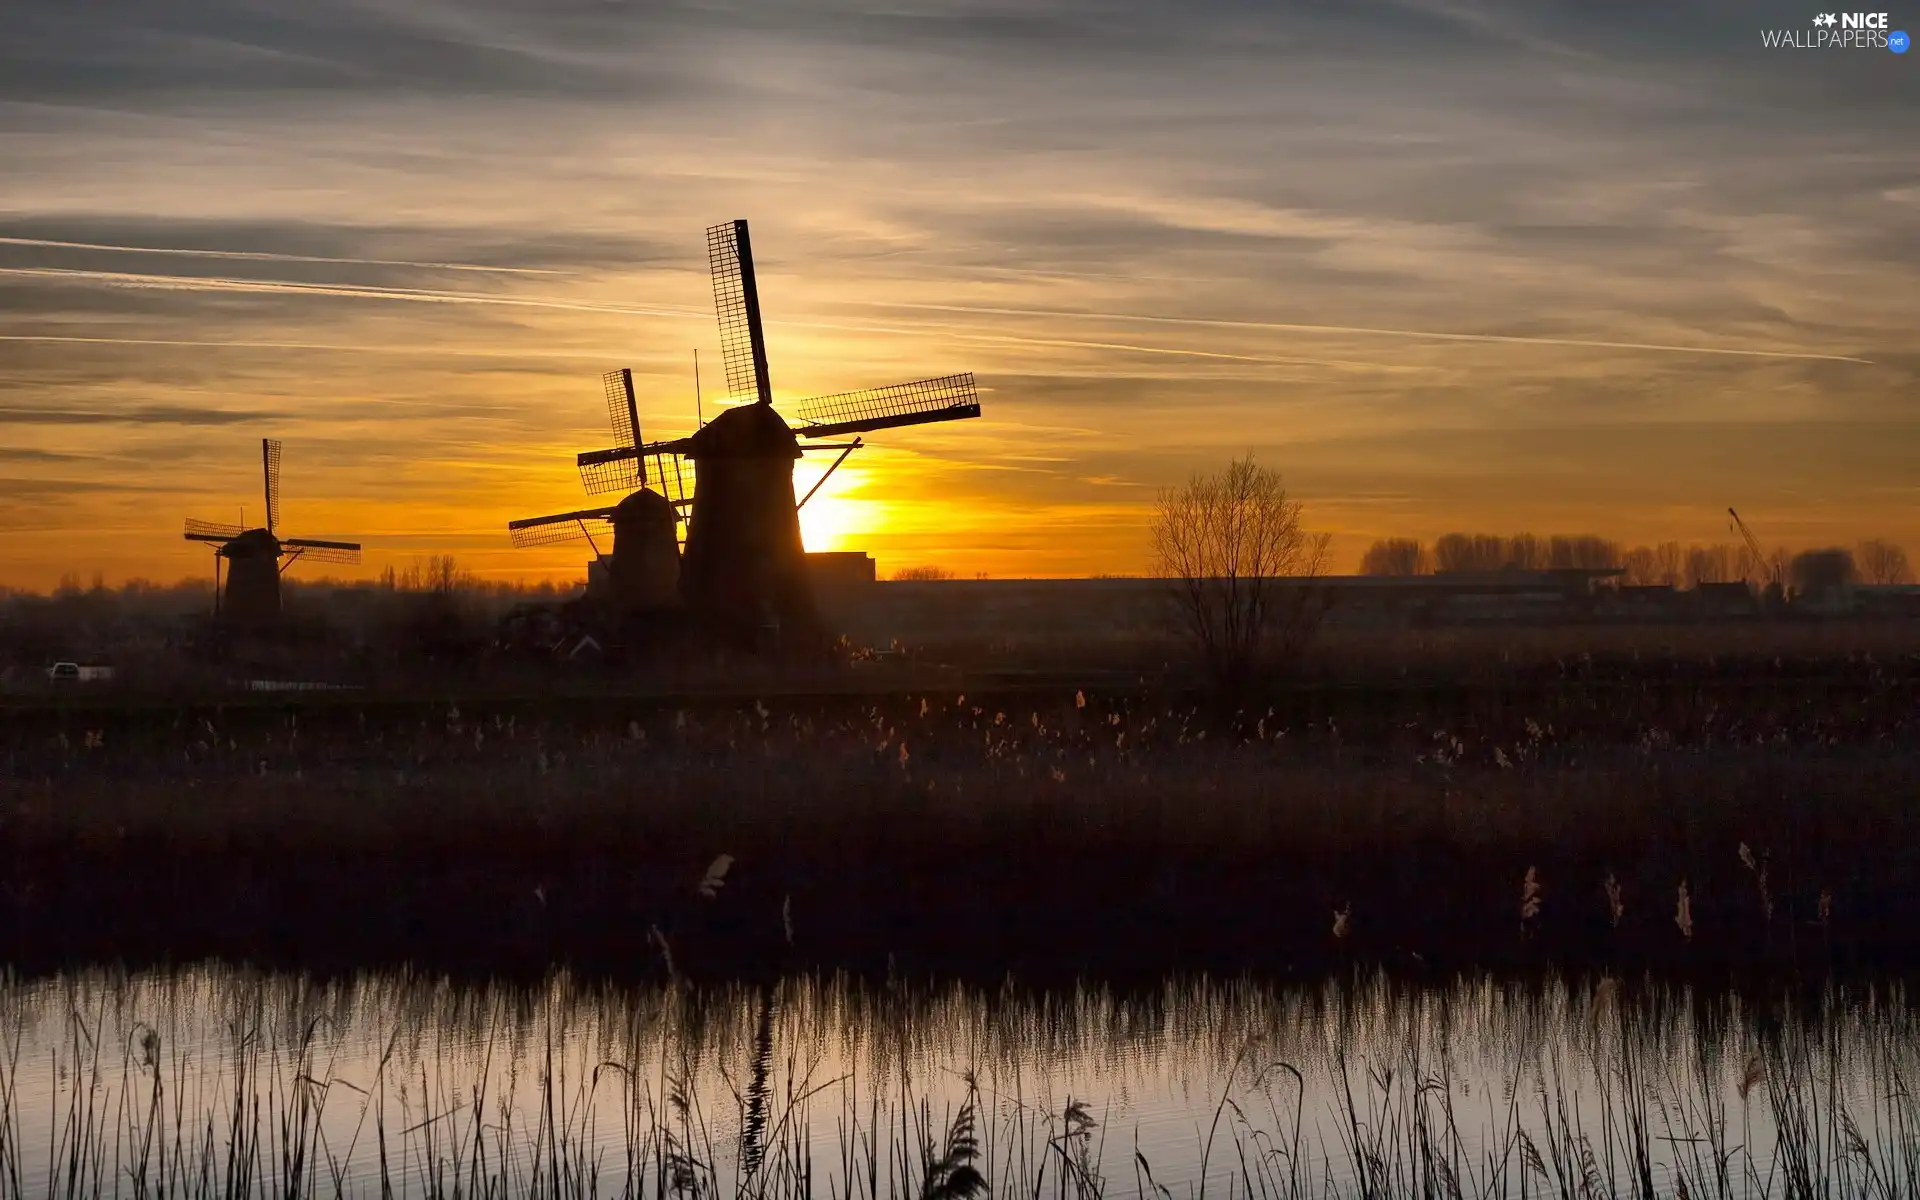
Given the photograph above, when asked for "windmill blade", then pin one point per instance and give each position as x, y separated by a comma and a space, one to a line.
946, 398
270, 468
560, 527
736, 301
621, 470
210, 531
622, 413
661, 465
319, 550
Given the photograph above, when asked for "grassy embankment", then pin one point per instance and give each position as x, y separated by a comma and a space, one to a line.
1042, 830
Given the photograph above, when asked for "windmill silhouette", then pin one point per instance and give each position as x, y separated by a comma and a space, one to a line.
744, 566
256, 557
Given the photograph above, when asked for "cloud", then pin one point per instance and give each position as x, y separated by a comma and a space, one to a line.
1427, 335
24, 454
145, 414
413, 232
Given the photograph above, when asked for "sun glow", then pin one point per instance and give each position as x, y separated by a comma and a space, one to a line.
833, 518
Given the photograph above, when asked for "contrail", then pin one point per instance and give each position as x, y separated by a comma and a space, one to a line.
337, 347
1431, 335
1131, 347
194, 283
432, 296
269, 256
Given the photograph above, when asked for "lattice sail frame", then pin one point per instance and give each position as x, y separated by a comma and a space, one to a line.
561, 527
270, 469
736, 302
312, 550
666, 472
943, 398
622, 414
211, 531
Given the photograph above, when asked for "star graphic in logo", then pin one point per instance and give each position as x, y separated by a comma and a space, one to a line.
1826, 19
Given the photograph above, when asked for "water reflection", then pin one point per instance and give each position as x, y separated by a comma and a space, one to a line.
219, 1080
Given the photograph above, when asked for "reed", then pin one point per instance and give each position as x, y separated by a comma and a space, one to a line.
1363, 1089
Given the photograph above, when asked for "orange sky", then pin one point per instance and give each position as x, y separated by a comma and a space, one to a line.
1460, 266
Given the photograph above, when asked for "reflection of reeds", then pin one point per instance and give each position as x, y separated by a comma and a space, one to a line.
571, 1092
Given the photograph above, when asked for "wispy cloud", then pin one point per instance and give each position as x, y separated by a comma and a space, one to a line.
1504, 259
1422, 334
270, 256
145, 414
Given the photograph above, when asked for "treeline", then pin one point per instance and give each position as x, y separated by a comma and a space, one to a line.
1671, 564
433, 606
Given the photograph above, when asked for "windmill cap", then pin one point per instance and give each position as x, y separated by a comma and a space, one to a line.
254, 543
749, 431
641, 505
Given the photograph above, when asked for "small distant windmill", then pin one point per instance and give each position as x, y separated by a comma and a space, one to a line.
642, 557
744, 563
254, 556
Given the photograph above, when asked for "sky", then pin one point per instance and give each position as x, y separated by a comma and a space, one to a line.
1501, 265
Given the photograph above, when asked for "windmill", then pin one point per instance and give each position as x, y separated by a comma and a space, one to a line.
256, 557
642, 559
744, 565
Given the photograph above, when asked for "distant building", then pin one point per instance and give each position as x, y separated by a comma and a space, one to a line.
1730, 599
840, 568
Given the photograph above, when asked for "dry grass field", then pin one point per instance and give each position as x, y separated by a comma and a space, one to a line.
1039, 828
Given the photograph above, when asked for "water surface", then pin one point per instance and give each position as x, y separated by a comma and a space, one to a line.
222, 1080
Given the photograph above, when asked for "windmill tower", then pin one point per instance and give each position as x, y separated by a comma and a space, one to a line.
256, 557
744, 566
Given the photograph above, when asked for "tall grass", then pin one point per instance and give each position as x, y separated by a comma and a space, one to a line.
252, 1085
1226, 839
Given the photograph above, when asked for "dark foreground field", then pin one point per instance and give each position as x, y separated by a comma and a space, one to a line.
1753, 816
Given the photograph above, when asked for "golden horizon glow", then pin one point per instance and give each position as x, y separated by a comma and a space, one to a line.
1448, 283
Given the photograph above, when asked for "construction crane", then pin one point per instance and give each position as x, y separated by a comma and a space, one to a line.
1753, 548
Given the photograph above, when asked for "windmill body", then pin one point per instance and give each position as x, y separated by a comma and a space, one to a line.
255, 558
645, 563
253, 579
745, 567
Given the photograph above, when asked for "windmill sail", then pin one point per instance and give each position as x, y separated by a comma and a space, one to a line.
670, 472
946, 398
270, 469
736, 299
319, 550
551, 530
211, 531
623, 474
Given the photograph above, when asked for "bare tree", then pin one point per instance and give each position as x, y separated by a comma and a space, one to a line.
922, 574
1469, 552
1882, 562
1671, 564
1242, 567
1584, 552
440, 574
1710, 564
1525, 552
1642, 564
1395, 556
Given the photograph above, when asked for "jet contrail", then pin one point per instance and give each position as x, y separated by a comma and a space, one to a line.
193, 283
1431, 335
1131, 347
336, 347
196, 283
270, 256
